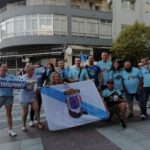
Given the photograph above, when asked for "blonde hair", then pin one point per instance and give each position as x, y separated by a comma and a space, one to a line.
29, 68
52, 77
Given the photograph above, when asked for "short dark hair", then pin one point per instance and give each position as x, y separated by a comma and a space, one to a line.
127, 61
90, 56
107, 52
2, 63
110, 81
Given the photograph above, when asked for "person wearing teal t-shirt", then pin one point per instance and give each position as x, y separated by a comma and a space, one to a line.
63, 72
105, 65
115, 102
75, 71
6, 97
145, 70
92, 72
115, 75
132, 79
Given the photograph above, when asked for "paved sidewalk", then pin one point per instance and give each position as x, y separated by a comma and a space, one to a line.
135, 137
96, 136
79, 138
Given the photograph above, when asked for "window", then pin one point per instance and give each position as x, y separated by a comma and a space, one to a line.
92, 27
37, 24
147, 7
10, 27
47, 2
34, 2
60, 25
45, 24
78, 26
105, 29
88, 27
124, 26
128, 4
28, 24
19, 27
109, 29
34, 24
3, 30
75, 3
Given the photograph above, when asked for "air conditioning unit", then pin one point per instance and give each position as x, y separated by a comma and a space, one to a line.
25, 59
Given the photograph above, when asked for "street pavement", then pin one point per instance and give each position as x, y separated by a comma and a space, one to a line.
96, 136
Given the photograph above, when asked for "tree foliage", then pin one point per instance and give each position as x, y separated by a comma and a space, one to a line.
133, 43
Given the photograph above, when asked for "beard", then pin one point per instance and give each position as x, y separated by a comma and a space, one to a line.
128, 69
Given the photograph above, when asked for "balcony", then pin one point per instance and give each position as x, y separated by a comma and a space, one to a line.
95, 5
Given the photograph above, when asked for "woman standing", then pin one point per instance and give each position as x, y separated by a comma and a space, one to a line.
27, 96
115, 75
50, 70
6, 97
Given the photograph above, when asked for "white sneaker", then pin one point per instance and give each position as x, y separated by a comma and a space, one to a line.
24, 129
143, 117
11, 133
31, 124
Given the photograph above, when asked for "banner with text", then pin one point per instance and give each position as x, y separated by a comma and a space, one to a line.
12, 83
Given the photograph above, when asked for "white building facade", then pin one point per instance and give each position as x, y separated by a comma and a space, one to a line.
126, 12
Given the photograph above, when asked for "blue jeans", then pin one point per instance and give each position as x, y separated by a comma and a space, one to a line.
144, 99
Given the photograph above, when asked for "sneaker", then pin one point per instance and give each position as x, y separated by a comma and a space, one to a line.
143, 117
11, 133
24, 129
123, 124
131, 115
148, 106
147, 116
31, 124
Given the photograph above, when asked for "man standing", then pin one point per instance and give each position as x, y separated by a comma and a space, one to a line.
74, 72
92, 72
105, 65
145, 70
132, 83
63, 72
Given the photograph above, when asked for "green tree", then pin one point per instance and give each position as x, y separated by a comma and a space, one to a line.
133, 43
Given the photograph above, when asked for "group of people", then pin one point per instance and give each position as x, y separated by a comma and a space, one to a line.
118, 84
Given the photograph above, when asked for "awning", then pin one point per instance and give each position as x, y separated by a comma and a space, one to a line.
33, 54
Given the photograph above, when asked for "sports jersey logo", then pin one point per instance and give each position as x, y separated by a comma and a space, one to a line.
131, 77
118, 77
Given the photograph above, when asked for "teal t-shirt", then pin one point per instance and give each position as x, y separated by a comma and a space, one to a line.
7, 91
117, 78
105, 69
111, 97
146, 75
74, 73
90, 72
131, 80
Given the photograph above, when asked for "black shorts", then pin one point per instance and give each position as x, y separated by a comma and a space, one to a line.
114, 109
